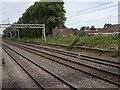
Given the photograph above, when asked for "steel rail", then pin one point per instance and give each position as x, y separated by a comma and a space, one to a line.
42, 87
78, 56
56, 76
107, 76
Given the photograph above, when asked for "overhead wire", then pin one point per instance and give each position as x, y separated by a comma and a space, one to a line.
93, 11
93, 20
17, 8
93, 7
10, 12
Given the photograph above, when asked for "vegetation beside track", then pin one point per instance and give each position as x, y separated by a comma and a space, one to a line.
99, 41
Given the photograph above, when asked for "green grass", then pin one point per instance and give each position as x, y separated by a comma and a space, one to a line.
105, 42
99, 41
62, 40
27, 40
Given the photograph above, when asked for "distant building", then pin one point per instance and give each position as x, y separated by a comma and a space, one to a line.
63, 31
108, 29
80, 32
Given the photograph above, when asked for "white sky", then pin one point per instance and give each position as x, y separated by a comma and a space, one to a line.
14, 10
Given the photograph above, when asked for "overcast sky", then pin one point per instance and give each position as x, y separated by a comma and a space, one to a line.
79, 13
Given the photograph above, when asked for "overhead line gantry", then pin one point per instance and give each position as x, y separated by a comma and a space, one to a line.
18, 26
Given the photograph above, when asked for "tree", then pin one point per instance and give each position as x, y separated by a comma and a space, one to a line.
93, 28
87, 28
83, 28
52, 14
75, 29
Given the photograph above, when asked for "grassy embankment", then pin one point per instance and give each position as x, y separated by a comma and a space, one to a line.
99, 41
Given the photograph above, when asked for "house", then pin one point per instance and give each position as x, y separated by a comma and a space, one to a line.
80, 32
91, 32
108, 29
63, 31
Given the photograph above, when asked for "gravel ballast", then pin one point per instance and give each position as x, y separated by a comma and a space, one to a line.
79, 79
13, 76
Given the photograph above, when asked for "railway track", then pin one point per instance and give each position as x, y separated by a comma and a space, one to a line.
5, 47
80, 56
77, 55
13, 58
102, 74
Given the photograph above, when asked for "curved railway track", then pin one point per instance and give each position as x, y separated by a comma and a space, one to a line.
102, 74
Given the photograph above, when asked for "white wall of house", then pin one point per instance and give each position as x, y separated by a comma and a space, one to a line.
112, 33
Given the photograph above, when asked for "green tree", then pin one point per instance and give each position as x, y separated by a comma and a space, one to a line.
52, 14
93, 28
83, 28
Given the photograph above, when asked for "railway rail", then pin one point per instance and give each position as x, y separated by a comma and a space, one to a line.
5, 47
41, 86
102, 74
77, 55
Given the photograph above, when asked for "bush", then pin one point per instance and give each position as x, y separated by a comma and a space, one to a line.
69, 35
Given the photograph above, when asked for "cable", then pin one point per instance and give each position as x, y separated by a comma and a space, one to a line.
12, 11
94, 10
18, 8
92, 7
8, 18
5, 20
93, 20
